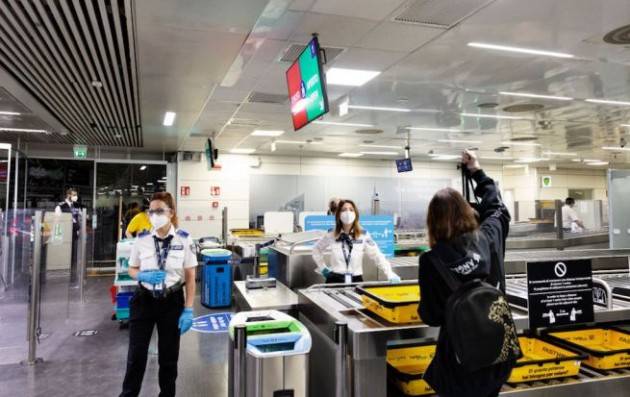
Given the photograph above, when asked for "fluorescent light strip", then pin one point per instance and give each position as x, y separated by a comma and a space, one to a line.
521, 50
444, 156
24, 130
350, 155
458, 141
625, 125
382, 146
616, 148
608, 102
429, 129
530, 144
559, 154
385, 109
6, 113
493, 116
381, 153
528, 95
349, 77
591, 160
242, 151
515, 166
267, 133
598, 163
527, 160
343, 124
169, 119
291, 142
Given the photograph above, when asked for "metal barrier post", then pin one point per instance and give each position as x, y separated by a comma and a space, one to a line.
34, 304
341, 359
81, 254
240, 361
224, 226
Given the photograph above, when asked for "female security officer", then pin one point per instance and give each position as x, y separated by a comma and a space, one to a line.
163, 261
349, 244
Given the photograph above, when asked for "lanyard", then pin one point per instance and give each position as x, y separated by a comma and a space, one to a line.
347, 254
161, 254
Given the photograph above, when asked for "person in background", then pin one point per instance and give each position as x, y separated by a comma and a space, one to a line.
140, 222
71, 205
132, 210
163, 261
349, 245
333, 203
571, 221
470, 249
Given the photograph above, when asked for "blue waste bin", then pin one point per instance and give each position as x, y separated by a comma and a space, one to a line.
216, 278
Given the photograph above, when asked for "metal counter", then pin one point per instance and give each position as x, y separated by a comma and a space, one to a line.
321, 306
279, 298
549, 240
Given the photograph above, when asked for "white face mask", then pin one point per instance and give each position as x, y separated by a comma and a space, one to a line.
158, 221
347, 217
74, 199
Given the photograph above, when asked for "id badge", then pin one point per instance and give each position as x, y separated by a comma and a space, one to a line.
157, 287
348, 278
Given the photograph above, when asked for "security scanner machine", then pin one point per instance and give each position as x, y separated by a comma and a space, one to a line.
268, 355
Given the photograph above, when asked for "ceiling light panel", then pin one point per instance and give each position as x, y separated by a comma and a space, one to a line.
6, 113
608, 102
528, 95
520, 50
560, 154
340, 124
350, 155
379, 108
349, 77
493, 116
511, 143
25, 130
169, 119
616, 148
381, 153
242, 151
271, 133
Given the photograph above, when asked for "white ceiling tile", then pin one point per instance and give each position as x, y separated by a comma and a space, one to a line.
333, 30
391, 36
361, 58
376, 10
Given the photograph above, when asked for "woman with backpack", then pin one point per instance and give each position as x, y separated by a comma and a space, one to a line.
467, 249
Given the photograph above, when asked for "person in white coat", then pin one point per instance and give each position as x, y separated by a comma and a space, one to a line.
349, 245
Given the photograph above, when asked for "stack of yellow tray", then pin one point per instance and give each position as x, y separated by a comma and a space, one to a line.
542, 361
247, 233
406, 364
395, 303
606, 348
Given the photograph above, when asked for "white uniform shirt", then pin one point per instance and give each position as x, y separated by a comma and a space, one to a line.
182, 255
362, 247
569, 215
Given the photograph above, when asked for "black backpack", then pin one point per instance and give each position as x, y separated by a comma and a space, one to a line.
479, 322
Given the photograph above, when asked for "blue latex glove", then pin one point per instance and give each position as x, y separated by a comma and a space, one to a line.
394, 278
152, 276
185, 320
326, 272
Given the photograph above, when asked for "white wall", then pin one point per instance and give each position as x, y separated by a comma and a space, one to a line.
236, 172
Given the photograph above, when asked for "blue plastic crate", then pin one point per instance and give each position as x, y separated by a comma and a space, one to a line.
122, 300
216, 281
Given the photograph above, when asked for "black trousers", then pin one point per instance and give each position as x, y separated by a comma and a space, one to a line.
145, 313
337, 278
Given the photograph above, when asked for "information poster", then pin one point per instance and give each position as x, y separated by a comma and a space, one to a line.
380, 227
559, 293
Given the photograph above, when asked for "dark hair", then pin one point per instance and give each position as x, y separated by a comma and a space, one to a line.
333, 204
356, 227
167, 199
133, 205
569, 201
70, 191
449, 216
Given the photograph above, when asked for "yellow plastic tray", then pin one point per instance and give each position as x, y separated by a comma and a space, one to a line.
395, 303
406, 364
542, 361
247, 233
607, 348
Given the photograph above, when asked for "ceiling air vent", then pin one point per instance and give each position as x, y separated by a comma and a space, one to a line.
524, 139
369, 131
264, 97
245, 123
618, 36
291, 53
438, 13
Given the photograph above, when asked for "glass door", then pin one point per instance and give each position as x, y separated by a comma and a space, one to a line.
119, 188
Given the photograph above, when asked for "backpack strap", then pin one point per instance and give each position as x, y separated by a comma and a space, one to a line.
449, 278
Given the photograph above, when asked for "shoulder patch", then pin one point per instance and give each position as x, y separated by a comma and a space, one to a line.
144, 233
183, 233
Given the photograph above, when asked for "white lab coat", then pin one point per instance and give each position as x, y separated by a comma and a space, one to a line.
569, 218
362, 247
182, 255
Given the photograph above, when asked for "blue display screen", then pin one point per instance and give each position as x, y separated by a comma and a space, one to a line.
404, 165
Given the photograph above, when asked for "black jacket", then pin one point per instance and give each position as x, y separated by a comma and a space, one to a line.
470, 256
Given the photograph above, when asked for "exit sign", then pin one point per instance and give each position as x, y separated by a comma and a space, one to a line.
80, 151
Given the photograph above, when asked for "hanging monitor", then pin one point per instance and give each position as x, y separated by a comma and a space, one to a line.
307, 86
404, 165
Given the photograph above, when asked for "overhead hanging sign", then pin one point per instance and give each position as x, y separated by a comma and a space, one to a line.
80, 151
559, 293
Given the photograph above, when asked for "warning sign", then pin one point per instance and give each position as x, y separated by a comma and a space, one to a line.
559, 293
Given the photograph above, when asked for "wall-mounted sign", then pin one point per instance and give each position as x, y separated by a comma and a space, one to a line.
559, 293
215, 204
215, 191
80, 151
546, 181
184, 191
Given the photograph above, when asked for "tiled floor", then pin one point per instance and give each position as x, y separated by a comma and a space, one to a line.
94, 366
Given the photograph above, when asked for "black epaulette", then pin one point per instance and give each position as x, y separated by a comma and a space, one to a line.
183, 233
